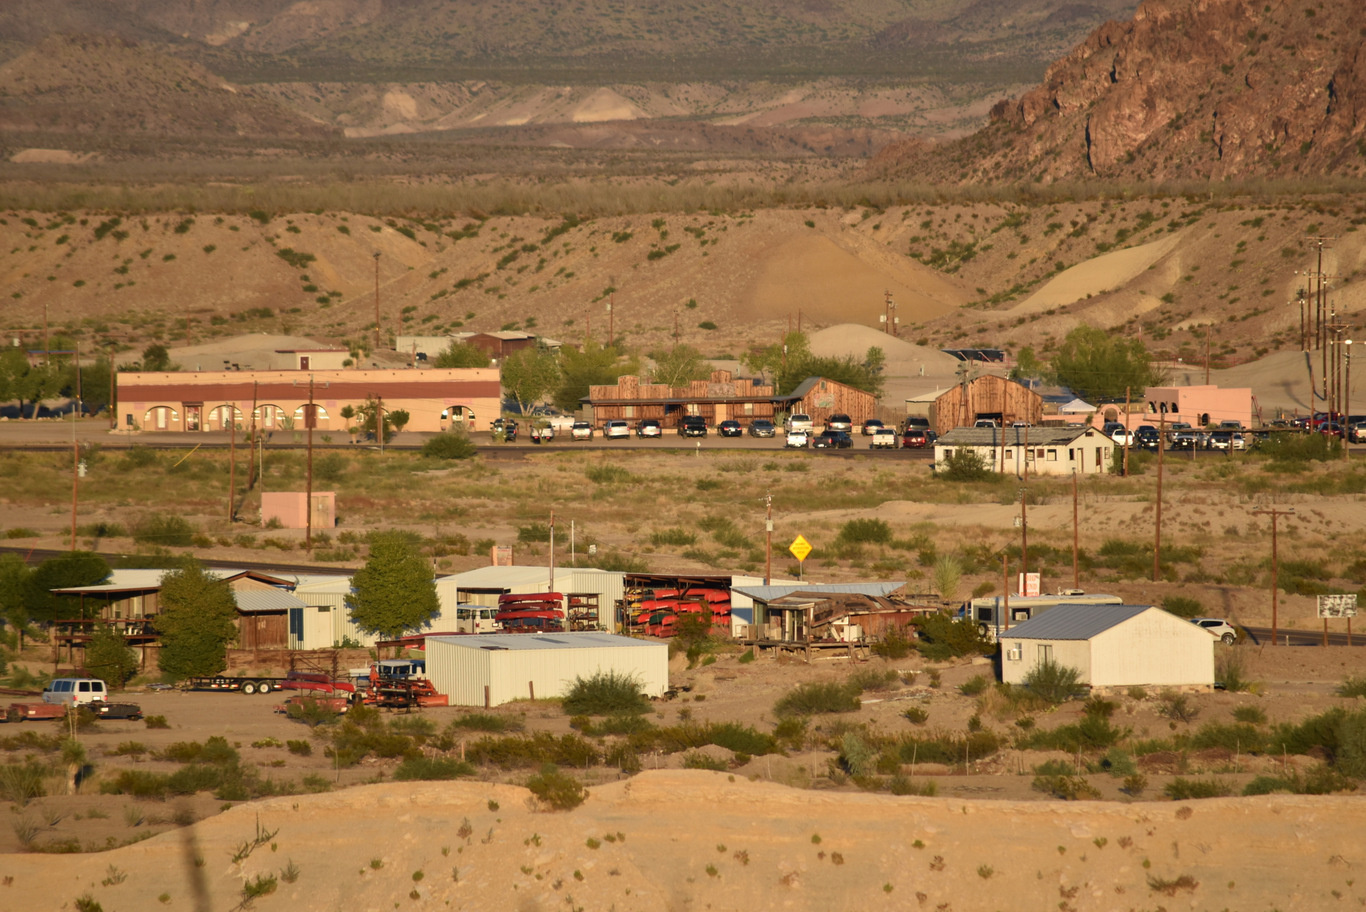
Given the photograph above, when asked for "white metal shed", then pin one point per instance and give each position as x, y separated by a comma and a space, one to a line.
1112, 646
493, 669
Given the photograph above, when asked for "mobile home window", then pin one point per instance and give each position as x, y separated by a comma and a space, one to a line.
1045, 653
1052, 456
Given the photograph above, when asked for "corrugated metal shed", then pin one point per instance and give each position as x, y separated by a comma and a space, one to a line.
770, 593
1074, 622
493, 669
256, 601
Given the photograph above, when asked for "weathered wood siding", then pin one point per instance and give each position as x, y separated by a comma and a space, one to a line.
987, 396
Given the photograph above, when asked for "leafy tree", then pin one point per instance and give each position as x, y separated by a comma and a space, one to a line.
529, 375
24, 382
769, 360
14, 590
107, 656
1098, 364
155, 357
679, 365
399, 418
592, 365
1028, 366
462, 354
76, 568
197, 622
942, 637
395, 591
366, 414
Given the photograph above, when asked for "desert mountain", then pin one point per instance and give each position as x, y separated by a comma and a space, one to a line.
84, 84
1185, 89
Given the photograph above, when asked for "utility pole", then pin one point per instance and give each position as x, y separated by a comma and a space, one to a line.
379, 421
1347, 404
890, 320
1126, 432
1206, 356
768, 540
232, 462
376, 302
1157, 526
552, 558
611, 319
309, 421
1076, 550
1275, 565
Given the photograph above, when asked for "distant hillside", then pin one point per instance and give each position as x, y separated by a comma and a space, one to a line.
1187, 89
84, 84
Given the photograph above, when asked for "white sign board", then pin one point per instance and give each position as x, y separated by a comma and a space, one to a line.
1338, 606
1027, 584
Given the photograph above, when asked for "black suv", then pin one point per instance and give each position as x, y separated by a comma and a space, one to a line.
692, 426
1147, 437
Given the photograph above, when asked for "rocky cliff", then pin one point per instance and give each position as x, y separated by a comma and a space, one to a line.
1202, 89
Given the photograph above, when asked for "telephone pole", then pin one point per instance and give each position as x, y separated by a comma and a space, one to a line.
1275, 564
376, 302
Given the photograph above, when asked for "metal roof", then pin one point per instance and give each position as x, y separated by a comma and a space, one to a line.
1075, 622
143, 579
772, 593
259, 601
525, 641
1013, 436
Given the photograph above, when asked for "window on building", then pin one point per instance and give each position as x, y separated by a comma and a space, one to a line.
1052, 456
1045, 653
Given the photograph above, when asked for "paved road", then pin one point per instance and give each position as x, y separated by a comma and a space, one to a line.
1298, 637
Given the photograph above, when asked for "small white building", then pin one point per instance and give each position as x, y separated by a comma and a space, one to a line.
494, 669
1112, 646
1035, 450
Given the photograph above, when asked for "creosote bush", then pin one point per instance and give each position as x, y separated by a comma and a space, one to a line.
556, 790
1053, 682
818, 697
605, 693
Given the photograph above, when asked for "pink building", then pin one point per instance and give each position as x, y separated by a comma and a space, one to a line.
288, 508
468, 398
1196, 405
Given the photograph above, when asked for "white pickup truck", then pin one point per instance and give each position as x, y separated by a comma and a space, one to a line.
799, 421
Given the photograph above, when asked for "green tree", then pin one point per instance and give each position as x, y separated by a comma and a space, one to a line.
1028, 366
107, 656
75, 568
395, 591
155, 357
770, 360
679, 365
198, 620
529, 375
14, 590
24, 382
461, 354
592, 365
399, 418
1097, 364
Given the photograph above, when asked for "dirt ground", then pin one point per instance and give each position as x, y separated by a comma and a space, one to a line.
756, 826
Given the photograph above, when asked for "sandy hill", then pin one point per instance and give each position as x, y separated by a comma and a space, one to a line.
1185, 89
84, 84
678, 840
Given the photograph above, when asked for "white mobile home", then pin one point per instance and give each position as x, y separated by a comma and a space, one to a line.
1112, 646
494, 669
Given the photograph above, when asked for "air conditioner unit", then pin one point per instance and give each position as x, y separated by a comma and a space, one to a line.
1014, 653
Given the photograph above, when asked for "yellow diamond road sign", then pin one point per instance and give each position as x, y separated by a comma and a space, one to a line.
800, 548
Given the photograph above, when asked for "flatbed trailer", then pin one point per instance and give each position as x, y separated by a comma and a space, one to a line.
245, 685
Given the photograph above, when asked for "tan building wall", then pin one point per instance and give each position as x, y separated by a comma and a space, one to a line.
277, 400
288, 508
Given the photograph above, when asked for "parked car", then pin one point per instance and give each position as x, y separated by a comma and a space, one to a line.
648, 427
1147, 436
1218, 628
986, 423
581, 430
616, 430
884, 438
1187, 438
839, 422
542, 433
761, 427
917, 438
75, 690
1117, 432
1227, 440
798, 421
796, 439
730, 428
832, 440
871, 427
692, 426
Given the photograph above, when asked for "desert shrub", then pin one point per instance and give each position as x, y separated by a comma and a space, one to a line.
1239, 738
893, 645
20, 783
1067, 786
1290, 452
916, 715
865, 531
974, 686
521, 751
607, 474
1229, 671
449, 445
138, 783
1183, 607
1180, 789
1053, 682
1092, 733
742, 739
1177, 706
605, 693
329, 466
432, 768
948, 747
818, 697
695, 760
556, 790
301, 748
1320, 780
164, 529
964, 464
1352, 687
674, 537
941, 637
872, 679
1250, 715
627, 724
534, 532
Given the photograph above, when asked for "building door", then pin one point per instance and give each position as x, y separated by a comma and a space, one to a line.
303, 362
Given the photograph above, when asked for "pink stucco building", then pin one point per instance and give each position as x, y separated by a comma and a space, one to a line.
1197, 405
468, 398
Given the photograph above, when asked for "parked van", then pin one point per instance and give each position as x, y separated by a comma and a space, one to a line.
76, 690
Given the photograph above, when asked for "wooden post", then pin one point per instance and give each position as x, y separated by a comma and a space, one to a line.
531, 688
486, 696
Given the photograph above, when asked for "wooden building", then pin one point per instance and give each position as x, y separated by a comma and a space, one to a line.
722, 397
986, 398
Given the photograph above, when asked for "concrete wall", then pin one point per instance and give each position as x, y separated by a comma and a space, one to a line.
288, 508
